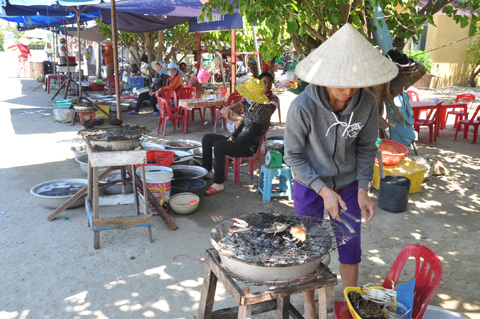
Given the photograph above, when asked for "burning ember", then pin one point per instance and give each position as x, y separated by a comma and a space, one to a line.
272, 239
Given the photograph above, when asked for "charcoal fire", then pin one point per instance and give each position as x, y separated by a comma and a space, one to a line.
274, 239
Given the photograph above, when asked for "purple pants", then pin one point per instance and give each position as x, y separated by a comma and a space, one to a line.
309, 204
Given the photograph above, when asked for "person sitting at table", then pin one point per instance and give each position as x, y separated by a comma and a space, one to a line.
159, 81
232, 113
244, 141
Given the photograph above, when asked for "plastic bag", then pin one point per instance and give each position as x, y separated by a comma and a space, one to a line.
202, 75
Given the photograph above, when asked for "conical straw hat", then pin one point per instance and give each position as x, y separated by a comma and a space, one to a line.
346, 60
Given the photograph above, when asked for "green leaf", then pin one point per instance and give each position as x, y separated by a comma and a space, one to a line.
334, 18
292, 26
463, 22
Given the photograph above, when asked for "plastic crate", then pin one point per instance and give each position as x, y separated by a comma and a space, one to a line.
392, 152
138, 82
162, 158
106, 108
408, 168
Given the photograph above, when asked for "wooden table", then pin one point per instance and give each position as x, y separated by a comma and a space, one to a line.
419, 106
200, 103
270, 299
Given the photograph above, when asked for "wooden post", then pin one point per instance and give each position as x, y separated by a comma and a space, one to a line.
233, 52
199, 61
115, 58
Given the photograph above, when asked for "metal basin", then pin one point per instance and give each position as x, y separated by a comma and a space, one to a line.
182, 157
181, 145
152, 146
188, 171
258, 272
82, 159
54, 201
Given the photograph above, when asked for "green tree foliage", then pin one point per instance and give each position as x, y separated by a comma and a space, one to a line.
310, 22
423, 58
474, 61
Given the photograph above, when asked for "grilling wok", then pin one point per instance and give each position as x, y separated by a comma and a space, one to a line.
117, 138
271, 247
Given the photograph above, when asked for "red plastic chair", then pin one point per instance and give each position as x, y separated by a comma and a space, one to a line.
170, 95
237, 161
221, 92
110, 87
460, 114
190, 93
166, 113
428, 274
475, 122
431, 121
413, 95
232, 99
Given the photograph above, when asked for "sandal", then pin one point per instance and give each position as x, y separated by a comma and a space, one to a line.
212, 191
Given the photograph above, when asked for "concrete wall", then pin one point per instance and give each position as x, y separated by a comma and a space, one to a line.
449, 61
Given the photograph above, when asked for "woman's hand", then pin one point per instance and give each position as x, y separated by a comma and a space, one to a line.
366, 205
331, 200
230, 139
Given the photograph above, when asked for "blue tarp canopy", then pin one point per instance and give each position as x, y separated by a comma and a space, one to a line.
132, 15
38, 21
46, 8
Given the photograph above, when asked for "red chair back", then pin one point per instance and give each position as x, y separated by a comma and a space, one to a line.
465, 98
474, 116
413, 96
234, 98
168, 95
433, 112
221, 92
161, 105
428, 274
187, 93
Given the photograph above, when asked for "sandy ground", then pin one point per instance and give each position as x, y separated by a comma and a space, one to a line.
50, 269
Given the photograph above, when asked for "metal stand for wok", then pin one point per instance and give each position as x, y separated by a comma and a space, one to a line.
277, 299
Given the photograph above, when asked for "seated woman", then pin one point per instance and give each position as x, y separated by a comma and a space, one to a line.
244, 141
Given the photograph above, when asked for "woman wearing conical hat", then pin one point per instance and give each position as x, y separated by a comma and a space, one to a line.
330, 139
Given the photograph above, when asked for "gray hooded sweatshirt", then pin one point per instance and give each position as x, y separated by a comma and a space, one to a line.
327, 148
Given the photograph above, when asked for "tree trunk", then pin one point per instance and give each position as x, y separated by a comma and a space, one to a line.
160, 45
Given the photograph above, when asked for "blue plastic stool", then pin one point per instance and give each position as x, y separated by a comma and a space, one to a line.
265, 184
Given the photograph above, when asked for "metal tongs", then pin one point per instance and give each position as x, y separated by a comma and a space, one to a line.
344, 221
